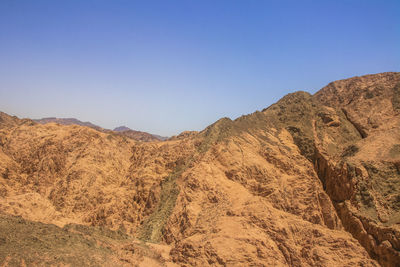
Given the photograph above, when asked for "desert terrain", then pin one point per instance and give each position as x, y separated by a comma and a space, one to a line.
312, 180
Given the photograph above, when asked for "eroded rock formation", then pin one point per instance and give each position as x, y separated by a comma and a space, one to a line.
308, 181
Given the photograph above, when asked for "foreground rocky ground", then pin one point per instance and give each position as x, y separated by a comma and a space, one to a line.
313, 180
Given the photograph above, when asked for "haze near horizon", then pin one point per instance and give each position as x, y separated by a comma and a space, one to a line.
165, 67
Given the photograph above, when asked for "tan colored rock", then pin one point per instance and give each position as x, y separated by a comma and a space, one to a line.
309, 181
369, 164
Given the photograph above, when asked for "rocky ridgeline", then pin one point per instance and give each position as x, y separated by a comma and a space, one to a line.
121, 130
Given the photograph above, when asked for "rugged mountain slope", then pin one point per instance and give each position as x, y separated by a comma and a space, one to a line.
369, 204
309, 181
26, 243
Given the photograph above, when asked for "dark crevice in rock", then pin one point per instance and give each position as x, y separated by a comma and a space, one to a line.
362, 133
382, 243
396, 98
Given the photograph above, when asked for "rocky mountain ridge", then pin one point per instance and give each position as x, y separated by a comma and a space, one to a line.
138, 135
313, 180
121, 130
68, 121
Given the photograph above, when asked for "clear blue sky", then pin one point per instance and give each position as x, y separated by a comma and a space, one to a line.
168, 66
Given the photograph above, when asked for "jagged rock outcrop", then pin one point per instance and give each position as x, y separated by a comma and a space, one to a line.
308, 181
364, 181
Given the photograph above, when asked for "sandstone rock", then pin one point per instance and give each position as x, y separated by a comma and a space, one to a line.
308, 181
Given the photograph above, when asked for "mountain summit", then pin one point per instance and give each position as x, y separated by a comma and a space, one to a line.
122, 129
312, 180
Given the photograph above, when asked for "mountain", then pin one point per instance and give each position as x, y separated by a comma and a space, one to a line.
312, 180
138, 135
122, 130
68, 121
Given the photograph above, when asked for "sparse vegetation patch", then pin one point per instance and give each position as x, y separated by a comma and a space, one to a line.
350, 151
39, 244
396, 98
153, 227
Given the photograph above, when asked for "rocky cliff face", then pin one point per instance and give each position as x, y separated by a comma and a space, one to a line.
369, 167
309, 181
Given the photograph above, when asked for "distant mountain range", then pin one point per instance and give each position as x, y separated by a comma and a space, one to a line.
121, 130
68, 121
